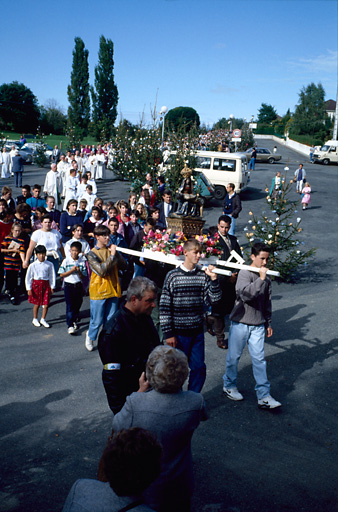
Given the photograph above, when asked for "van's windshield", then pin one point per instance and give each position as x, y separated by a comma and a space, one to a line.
325, 148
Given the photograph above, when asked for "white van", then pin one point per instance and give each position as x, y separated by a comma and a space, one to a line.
221, 169
328, 154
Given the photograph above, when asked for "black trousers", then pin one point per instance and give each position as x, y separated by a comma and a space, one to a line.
11, 280
73, 298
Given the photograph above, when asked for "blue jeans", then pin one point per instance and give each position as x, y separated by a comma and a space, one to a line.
252, 164
232, 227
101, 313
193, 347
254, 335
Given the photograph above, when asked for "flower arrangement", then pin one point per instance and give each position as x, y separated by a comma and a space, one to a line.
172, 243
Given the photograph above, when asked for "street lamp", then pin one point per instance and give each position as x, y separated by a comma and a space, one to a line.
163, 112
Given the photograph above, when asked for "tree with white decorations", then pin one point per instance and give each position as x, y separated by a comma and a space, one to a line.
280, 229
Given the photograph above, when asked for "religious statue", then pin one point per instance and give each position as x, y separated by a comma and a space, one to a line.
189, 204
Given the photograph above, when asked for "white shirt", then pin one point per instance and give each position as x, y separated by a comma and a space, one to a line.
69, 263
50, 239
83, 242
40, 270
93, 184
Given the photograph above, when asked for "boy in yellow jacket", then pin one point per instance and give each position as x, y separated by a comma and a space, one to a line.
104, 287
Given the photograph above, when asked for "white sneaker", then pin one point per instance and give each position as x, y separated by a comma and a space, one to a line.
71, 330
268, 403
75, 326
233, 394
36, 322
44, 323
89, 344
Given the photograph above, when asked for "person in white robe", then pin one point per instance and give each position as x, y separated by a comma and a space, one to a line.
53, 184
79, 161
101, 165
92, 164
12, 154
6, 163
61, 168
91, 182
89, 197
72, 183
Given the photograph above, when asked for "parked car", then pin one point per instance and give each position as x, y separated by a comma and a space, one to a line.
26, 154
263, 155
31, 146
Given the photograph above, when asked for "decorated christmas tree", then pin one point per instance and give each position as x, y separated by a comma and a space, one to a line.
280, 229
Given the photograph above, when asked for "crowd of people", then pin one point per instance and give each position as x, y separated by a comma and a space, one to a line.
147, 319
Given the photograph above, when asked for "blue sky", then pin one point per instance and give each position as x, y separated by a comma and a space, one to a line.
220, 57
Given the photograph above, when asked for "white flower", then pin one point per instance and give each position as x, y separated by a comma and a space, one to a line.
298, 219
245, 229
275, 253
251, 239
249, 221
269, 200
277, 219
298, 252
269, 236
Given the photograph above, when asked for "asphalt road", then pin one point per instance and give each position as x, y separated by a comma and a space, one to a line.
54, 418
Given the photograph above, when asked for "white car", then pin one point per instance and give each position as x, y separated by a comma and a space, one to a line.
32, 147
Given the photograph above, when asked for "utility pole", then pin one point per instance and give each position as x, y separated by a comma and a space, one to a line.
334, 136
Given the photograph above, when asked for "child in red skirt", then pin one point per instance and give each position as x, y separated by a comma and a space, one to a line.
40, 284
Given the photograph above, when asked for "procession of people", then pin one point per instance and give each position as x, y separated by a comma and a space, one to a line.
147, 320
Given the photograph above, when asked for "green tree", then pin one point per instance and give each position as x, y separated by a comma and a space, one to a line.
247, 139
310, 116
78, 91
53, 119
19, 110
135, 154
280, 125
266, 114
182, 117
41, 146
224, 123
280, 230
105, 95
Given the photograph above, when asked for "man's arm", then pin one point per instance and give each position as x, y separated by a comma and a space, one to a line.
237, 206
165, 308
102, 268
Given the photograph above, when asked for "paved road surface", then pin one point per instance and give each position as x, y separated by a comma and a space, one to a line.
54, 418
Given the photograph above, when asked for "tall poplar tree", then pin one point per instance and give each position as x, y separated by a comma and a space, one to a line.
105, 93
78, 91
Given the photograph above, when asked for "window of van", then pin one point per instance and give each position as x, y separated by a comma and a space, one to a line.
225, 164
203, 162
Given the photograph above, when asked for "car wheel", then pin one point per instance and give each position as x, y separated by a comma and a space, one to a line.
219, 192
326, 161
271, 160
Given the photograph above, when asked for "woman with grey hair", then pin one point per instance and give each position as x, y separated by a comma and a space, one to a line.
163, 408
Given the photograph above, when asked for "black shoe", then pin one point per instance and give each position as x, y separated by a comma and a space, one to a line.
13, 300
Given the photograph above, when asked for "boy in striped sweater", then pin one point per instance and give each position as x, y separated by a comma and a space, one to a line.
185, 291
